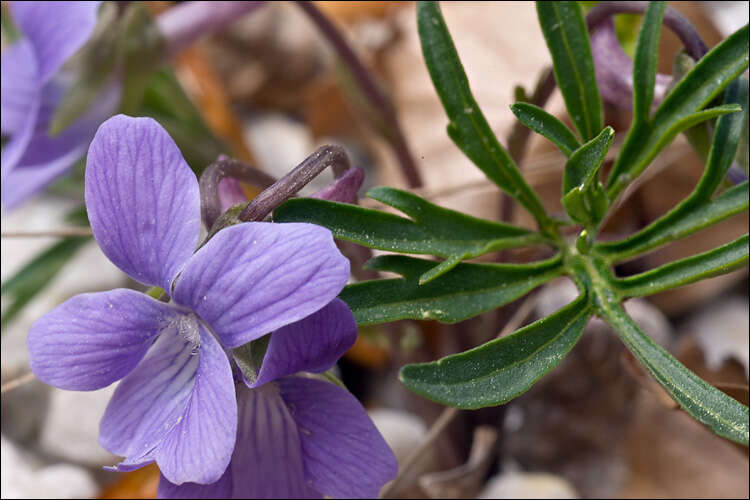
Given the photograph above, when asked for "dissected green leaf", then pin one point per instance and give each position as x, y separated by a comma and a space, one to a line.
583, 165
697, 210
432, 230
724, 144
567, 39
685, 219
584, 198
547, 125
718, 261
699, 136
36, 274
709, 76
500, 370
680, 109
723, 414
463, 292
468, 127
743, 155
645, 61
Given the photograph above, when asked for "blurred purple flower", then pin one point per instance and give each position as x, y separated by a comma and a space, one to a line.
614, 69
32, 85
176, 404
300, 437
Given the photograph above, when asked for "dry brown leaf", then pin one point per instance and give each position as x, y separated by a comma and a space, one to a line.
140, 483
349, 12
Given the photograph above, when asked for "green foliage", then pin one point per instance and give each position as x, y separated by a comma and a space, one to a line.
500, 370
686, 218
36, 274
698, 210
644, 63
681, 272
467, 127
547, 125
565, 31
463, 292
31, 279
451, 290
680, 109
702, 401
432, 230
583, 195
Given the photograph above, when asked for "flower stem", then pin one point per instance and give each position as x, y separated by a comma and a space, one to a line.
675, 21
213, 174
286, 187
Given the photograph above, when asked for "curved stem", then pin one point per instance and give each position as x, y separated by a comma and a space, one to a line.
223, 167
343, 189
673, 20
614, 69
286, 187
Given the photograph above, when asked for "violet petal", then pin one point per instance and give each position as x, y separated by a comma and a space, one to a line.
47, 158
177, 407
614, 69
267, 459
344, 189
94, 339
55, 29
15, 148
344, 454
253, 278
198, 449
21, 144
220, 489
230, 193
313, 344
19, 84
142, 199
23, 182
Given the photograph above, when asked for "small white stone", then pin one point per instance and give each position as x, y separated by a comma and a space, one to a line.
403, 431
280, 144
71, 429
89, 270
722, 332
21, 477
528, 485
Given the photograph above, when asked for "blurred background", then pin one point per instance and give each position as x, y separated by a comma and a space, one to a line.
271, 89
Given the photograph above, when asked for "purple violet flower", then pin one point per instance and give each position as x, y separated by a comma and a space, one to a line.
176, 404
32, 85
299, 437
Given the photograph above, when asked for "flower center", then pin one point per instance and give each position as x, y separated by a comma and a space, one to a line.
185, 325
